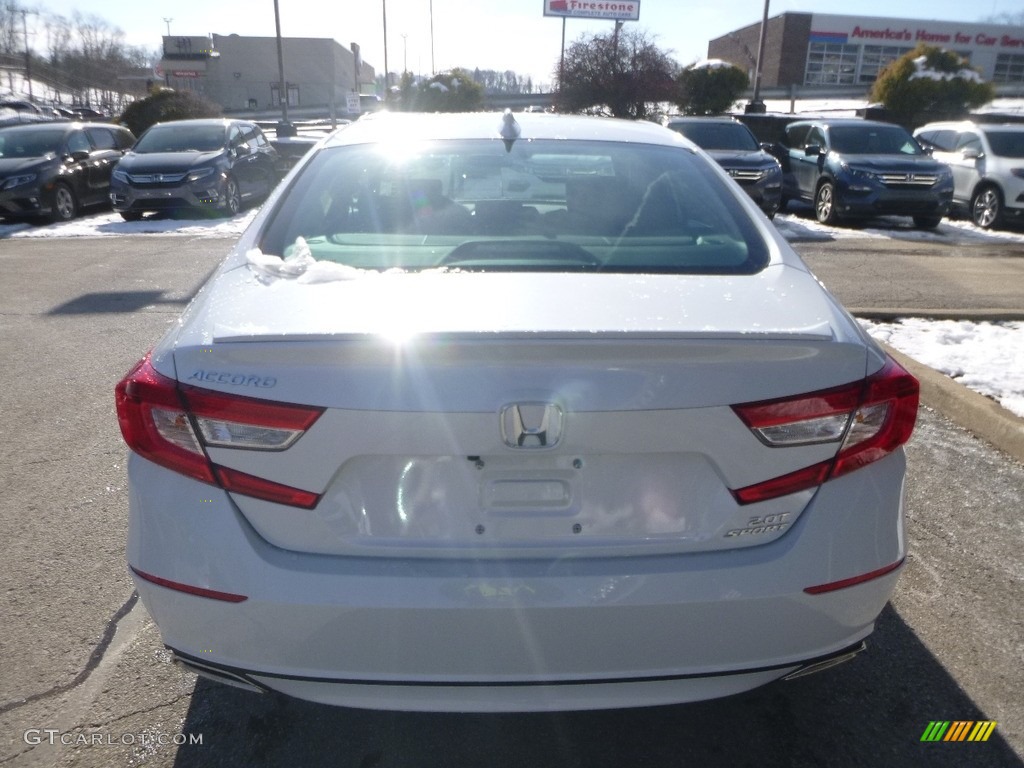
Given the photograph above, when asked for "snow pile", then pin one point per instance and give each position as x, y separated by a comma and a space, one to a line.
710, 64
924, 72
985, 357
300, 265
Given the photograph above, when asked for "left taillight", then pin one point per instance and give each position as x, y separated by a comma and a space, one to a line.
867, 420
172, 426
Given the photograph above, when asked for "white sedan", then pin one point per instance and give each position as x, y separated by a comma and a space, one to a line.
506, 413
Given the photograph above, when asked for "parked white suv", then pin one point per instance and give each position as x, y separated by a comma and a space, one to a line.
988, 166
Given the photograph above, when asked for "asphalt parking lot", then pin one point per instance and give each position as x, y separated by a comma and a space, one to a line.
85, 681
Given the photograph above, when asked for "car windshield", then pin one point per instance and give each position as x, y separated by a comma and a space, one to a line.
873, 140
1006, 143
182, 138
539, 205
30, 143
709, 135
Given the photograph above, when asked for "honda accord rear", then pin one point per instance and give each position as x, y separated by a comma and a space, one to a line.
513, 413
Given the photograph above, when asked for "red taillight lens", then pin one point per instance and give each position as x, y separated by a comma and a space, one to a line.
867, 420
159, 421
155, 423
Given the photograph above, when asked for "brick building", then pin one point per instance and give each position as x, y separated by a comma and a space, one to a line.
241, 73
815, 49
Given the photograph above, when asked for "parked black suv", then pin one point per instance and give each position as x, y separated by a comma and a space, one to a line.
733, 146
854, 169
52, 170
210, 164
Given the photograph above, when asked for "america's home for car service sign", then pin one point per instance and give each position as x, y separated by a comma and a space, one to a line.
620, 10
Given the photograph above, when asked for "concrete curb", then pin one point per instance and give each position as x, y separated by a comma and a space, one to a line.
891, 315
972, 411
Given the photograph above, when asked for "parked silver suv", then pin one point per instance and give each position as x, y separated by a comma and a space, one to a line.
988, 167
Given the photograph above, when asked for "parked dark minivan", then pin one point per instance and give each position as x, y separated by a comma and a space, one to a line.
205, 165
854, 169
52, 170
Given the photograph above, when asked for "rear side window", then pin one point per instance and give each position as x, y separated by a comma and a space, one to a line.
795, 135
124, 138
78, 142
942, 140
102, 138
249, 136
542, 206
1006, 143
968, 140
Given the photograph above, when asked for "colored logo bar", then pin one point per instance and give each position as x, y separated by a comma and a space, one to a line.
958, 730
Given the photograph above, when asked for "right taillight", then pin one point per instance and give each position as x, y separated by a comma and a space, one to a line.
867, 419
172, 426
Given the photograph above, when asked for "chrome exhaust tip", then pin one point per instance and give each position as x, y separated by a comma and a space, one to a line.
827, 662
217, 674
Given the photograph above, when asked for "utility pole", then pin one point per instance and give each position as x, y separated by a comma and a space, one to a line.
28, 56
432, 70
168, 21
282, 87
387, 84
756, 105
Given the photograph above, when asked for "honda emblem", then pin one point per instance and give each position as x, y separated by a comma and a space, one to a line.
531, 425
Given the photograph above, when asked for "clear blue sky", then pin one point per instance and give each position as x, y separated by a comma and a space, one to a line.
490, 34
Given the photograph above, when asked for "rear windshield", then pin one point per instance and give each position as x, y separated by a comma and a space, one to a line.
182, 138
536, 206
1006, 143
711, 135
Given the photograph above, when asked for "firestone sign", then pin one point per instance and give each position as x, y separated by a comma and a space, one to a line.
618, 10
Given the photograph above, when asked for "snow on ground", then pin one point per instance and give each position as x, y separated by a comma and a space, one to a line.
983, 356
112, 225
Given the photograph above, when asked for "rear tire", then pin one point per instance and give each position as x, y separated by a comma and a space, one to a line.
825, 204
987, 207
64, 206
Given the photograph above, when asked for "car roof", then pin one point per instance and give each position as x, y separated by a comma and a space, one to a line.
46, 125
209, 121
393, 126
967, 124
833, 122
703, 119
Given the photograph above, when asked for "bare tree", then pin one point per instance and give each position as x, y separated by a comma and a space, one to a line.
621, 73
11, 42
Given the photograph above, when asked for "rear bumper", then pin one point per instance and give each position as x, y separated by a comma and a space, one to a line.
568, 633
512, 697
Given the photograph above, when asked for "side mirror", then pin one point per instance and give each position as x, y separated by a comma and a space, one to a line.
812, 149
970, 153
242, 150
78, 156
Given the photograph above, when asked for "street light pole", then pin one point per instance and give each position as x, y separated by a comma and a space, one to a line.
282, 92
432, 70
168, 21
28, 56
387, 85
756, 105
